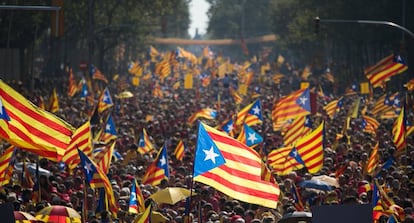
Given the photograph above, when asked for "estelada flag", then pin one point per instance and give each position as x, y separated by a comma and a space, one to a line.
31, 128
232, 168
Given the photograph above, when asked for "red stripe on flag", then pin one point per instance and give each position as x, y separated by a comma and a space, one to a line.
239, 186
29, 112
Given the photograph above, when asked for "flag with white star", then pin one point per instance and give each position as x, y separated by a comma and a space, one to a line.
291, 106
232, 168
228, 127
105, 101
96, 178
84, 89
158, 170
109, 132
254, 116
249, 136
144, 144
136, 200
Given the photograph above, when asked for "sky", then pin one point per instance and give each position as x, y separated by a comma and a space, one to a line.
198, 15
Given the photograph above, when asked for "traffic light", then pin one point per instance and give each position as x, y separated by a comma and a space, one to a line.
317, 20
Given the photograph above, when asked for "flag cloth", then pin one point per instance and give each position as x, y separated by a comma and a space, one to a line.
384, 104
295, 131
84, 89
7, 160
54, 102
97, 74
373, 159
249, 137
144, 143
242, 114
136, 200
232, 168
281, 161
254, 116
398, 131
145, 217
310, 150
158, 170
103, 158
294, 105
385, 69
105, 101
101, 202
206, 113
96, 178
179, 150
72, 87
82, 140
332, 107
369, 124
33, 129
228, 127
109, 132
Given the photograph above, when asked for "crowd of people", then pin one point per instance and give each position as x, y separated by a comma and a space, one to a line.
165, 119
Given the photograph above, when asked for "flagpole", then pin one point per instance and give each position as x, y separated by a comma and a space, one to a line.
192, 176
85, 196
39, 198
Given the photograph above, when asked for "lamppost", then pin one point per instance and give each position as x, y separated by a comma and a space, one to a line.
375, 22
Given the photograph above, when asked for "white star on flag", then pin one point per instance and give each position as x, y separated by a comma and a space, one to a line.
256, 110
108, 127
210, 155
105, 98
88, 168
229, 128
302, 100
163, 161
396, 101
252, 137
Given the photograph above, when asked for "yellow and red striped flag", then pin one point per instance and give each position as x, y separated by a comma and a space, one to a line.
105, 101
27, 126
97, 74
6, 165
254, 115
145, 217
236, 96
332, 107
103, 157
54, 102
72, 87
249, 136
282, 162
96, 178
82, 140
109, 133
309, 150
242, 114
295, 131
179, 150
158, 170
163, 69
385, 69
207, 113
398, 131
294, 105
232, 168
144, 144
373, 160
136, 200
369, 124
